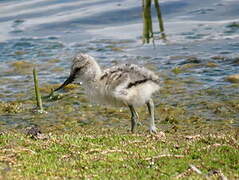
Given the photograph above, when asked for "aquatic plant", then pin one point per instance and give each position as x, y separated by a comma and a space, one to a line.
147, 29
11, 107
37, 92
160, 19
147, 20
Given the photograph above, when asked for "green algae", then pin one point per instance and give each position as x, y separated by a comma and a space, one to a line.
57, 69
177, 70
233, 25
170, 114
115, 48
234, 78
219, 58
18, 53
175, 104
21, 67
53, 61
212, 64
11, 107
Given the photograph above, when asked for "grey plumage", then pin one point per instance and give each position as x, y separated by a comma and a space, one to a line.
121, 85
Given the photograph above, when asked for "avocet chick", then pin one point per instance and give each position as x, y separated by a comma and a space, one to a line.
121, 85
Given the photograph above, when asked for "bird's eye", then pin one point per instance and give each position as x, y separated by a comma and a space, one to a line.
78, 69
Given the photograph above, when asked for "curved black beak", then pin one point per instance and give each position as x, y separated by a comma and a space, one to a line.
69, 80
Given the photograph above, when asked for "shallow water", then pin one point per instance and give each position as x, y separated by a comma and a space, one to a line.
203, 34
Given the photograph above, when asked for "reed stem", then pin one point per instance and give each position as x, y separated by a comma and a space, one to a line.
148, 29
147, 20
160, 18
37, 92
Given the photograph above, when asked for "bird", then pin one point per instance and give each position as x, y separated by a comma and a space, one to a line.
126, 85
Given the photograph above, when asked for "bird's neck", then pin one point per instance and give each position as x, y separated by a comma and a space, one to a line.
92, 75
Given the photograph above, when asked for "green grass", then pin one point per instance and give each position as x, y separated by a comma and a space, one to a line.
98, 153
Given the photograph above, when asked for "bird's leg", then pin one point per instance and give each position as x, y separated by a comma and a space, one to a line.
152, 127
137, 119
134, 117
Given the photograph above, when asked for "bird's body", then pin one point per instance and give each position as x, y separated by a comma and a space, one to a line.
122, 85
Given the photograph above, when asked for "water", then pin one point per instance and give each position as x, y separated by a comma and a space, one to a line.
48, 33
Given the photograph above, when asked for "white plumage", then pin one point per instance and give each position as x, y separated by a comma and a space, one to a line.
122, 85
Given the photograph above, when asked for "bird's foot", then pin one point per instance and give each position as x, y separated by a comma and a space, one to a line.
153, 130
139, 124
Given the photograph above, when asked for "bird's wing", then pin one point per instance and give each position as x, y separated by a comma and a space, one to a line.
127, 76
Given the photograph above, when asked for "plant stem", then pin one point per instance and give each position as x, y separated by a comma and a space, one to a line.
37, 92
148, 30
160, 19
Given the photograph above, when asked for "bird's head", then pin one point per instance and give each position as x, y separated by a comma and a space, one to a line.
80, 65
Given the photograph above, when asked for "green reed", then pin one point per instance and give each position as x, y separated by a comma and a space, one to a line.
147, 20
37, 91
160, 19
